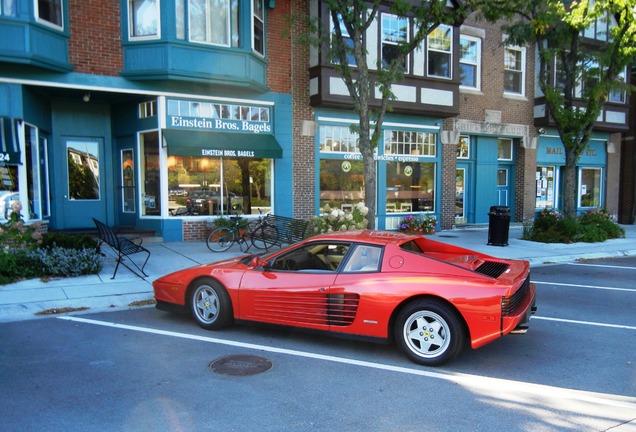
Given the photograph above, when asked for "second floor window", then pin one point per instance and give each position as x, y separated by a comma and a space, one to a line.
440, 49
618, 95
214, 21
395, 30
258, 25
48, 11
143, 18
470, 62
514, 70
346, 39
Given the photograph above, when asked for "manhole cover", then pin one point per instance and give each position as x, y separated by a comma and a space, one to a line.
240, 365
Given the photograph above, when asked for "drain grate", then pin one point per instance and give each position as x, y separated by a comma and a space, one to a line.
447, 235
241, 365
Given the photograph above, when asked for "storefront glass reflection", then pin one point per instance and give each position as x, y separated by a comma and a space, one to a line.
410, 186
218, 186
341, 183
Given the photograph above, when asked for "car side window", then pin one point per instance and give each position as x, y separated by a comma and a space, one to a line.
364, 258
321, 257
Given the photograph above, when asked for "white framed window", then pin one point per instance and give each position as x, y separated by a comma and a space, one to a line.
258, 26
440, 52
618, 95
590, 77
470, 62
143, 19
398, 142
590, 182
338, 139
504, 152
395, 30
463, 147
514, 70
49, 12
210, 21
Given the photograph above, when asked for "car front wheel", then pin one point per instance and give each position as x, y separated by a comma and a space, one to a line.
210, 305
429, 332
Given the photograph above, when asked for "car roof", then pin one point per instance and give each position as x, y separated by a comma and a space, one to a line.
378, 237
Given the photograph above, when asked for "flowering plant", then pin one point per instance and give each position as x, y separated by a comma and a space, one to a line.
419, 224
332, 219
15, 234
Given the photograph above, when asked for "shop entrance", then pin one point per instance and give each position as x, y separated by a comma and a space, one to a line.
84, 196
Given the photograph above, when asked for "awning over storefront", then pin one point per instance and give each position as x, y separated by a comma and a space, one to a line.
9, 144
221, 144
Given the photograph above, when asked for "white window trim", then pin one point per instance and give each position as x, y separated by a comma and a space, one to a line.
523, 70
449, 53
39, 20
254, 18
382, 41
132, 37
228, 28
477, 65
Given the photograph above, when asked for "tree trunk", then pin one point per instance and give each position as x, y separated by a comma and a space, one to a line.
569, 183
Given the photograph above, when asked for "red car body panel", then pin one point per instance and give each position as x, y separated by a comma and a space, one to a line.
364, 304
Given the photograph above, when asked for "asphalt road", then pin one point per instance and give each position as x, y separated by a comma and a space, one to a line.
143, 370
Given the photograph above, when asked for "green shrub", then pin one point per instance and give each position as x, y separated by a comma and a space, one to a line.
591, 227
59, 261
68, 241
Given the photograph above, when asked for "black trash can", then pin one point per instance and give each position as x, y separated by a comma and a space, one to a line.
499, 225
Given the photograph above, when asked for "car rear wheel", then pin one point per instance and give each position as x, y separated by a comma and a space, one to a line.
429, 332
210, 305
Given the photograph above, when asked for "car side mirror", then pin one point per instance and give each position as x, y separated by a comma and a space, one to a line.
257, 262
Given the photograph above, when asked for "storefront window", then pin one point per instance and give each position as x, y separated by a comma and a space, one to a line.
150, 190
589, 187
338, 139
218, 186
545, 187
341, 183
505, 149
409, 143
410, 186
463, 147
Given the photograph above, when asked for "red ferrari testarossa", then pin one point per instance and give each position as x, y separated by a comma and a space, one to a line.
429, 297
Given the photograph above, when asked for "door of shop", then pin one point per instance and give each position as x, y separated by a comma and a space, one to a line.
503, 186
461, 194
84, 197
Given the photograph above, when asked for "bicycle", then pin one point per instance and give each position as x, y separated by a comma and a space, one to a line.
259, 232
263, 234
222, 238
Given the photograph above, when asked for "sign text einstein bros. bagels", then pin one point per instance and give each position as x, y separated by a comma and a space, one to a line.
218, 125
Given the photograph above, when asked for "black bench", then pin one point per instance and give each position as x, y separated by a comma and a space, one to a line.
287, 230
124, 247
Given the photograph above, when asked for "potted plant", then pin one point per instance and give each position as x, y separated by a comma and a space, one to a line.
418, 224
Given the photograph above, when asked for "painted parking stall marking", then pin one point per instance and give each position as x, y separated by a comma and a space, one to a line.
606, 288
473, 381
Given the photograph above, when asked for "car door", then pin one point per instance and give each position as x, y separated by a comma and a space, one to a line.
293, 289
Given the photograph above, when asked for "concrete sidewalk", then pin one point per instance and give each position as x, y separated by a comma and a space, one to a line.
28, 299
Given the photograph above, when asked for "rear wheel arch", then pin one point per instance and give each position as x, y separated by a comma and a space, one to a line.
439, 312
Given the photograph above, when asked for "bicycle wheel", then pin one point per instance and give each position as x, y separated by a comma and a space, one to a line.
220, 239
264, 237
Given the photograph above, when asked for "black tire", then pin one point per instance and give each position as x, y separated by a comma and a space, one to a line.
220, 239
429, 332
210, 304
265, 237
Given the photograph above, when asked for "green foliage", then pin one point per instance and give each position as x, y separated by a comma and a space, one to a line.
59, 261
332, 220
26, 254
226, 222
68, 241
590, 227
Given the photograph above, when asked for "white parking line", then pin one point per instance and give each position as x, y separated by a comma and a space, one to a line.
590, 323
603, 266
585, 286
474, 381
